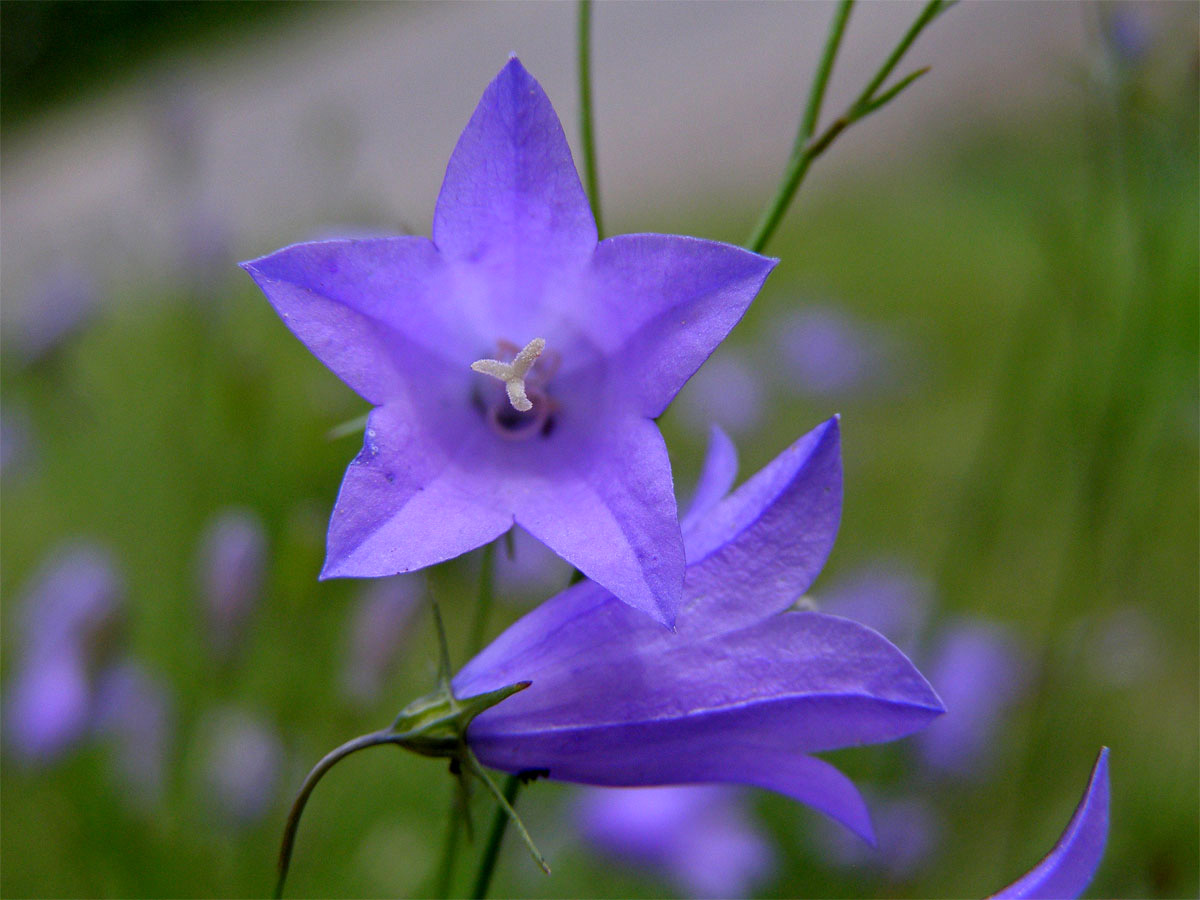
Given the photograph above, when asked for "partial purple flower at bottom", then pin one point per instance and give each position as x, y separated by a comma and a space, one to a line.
699, 837
980, 671
726, 391
1068, 869
242, 768
742, 692
232, 571
379, 623
134, 710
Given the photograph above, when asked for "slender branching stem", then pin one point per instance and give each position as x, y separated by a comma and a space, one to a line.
816, 94
487, 594
586, 130
866, 103
331, 759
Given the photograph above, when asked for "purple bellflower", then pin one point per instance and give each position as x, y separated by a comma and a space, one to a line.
743, 692
515, 364
1068, 868
699, 836
587, 689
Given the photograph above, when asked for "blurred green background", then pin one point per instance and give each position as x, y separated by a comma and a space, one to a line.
1018, 301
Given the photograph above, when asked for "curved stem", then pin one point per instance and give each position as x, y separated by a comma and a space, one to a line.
310, 782
816, 94
491, 851
586, 131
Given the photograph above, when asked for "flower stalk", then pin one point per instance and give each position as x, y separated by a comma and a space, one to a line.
809, 147
587, 135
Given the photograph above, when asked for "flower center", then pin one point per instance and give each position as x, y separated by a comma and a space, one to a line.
513, 374
528, 409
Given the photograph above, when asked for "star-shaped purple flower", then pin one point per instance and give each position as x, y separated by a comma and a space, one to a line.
515, 364
743, 692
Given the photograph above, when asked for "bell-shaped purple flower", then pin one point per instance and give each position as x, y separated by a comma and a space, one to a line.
1068, 868
700, 837
515, 364
232, 569
743, 692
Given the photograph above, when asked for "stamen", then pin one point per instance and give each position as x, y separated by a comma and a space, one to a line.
513, 374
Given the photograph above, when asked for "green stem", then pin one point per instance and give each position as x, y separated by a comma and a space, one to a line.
816, 94
487, 594
586, 131
445, 876
866, 103
491, 851
327, 762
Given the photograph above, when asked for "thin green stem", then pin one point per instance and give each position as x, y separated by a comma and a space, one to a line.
816, 94
586, 130
445, 872
487, 594
327, 762
866, 103
491, 851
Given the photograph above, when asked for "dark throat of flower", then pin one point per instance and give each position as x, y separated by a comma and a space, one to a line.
519, 406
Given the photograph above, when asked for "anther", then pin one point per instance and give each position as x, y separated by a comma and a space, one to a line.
513, 374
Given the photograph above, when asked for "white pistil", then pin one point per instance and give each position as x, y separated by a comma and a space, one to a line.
513, 374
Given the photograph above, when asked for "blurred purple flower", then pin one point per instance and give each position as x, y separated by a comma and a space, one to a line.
558, 438
907, 832
699, 837
1128, 33
48, 706
726, 391
742, 692
135, 711
885, 596
823, 351
67, 616
243, 762
71, 603
379, 624
979, 670
1069, 867
63, 306
232, 572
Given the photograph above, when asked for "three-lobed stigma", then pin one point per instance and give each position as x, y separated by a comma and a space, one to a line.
513, 374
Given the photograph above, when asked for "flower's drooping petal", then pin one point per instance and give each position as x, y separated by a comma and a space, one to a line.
405, 504
511, 189
759, 549
1069, 867
740, 707
379, 313
662, 303
716, 478
698, 836
615, 519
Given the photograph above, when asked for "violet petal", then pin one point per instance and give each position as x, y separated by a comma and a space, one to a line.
1068, 868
